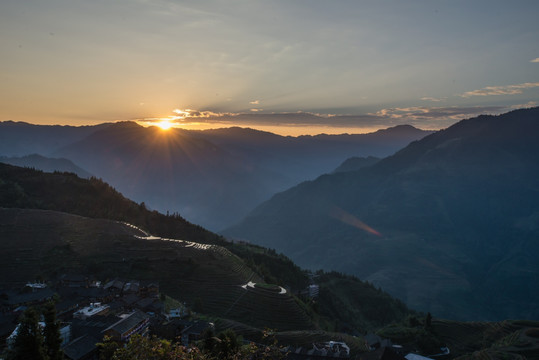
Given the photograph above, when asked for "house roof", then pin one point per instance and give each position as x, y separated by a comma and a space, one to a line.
128, 322
149, 283
130, 299
22, 298
132, 286
117, 284
412, 356
80, 347
196, 328
144, 303
92, 326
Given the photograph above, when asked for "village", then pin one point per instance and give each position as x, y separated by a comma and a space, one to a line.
90, 310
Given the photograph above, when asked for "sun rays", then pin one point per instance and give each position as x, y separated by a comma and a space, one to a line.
164, 124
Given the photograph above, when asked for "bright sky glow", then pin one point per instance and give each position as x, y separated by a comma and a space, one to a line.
349, 65
165, 124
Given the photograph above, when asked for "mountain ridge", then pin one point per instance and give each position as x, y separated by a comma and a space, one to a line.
212, 177
46, 164
445, 206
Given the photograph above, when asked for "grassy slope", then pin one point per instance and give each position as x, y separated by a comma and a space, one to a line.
66, 192
490, 340
46, 243
510, 339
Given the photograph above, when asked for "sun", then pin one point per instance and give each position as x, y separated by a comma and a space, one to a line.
164, 124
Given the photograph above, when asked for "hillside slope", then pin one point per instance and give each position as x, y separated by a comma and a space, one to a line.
43, 163
31, 189
45, 243
448, 224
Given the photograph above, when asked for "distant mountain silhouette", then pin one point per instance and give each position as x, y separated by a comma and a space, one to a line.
213, 177
449, 224
20, 138
356, 163
306, 157
39, 162
170, 171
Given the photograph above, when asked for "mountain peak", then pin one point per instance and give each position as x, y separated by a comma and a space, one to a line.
399, 129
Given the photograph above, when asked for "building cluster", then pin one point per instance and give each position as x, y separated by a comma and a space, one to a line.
91, 311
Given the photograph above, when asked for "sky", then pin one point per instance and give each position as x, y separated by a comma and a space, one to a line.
291, 66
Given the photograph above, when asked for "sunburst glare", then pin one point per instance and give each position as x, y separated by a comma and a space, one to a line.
165, 124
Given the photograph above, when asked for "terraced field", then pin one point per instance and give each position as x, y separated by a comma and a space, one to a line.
46, 243
490, 340
295, 338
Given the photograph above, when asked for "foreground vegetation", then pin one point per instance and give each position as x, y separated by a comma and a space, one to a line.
36, 343
223, 346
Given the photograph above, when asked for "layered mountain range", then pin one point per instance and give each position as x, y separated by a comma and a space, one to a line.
212, 178
449, 224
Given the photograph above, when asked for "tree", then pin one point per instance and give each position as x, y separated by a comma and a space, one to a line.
53, 340
107, 348
29, 343
140, 347
226, 345
428, 321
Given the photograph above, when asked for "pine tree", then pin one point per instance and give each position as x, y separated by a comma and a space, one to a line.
53, 341
29, 342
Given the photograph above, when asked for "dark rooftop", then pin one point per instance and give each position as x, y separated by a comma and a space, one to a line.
128, 323
80, 347
92, 326
196, 328
28, 297
130, 299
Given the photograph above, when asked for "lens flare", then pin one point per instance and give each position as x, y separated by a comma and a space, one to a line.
350, 219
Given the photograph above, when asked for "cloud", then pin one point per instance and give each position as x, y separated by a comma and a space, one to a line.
190, 113
529, 104
424, 117
536, 60
428, 98
256, 116
185, 116
435, 117
254, 102
500, 90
